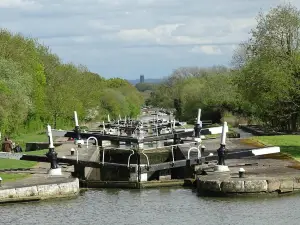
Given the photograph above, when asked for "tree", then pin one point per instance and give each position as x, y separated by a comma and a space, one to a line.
142, 87
210, 89
269, 67
36, 88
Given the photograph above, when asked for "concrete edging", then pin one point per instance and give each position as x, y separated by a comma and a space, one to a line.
248, 186
40, 192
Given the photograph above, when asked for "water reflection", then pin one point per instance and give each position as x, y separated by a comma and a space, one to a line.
154, 206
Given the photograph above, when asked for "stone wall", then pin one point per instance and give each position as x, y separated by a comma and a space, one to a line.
40, 192
93, 173
248, 186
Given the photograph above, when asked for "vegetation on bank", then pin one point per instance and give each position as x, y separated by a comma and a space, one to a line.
16, 164
12, 176
36, 88
289, 144
262, 86
142, 87
22, 139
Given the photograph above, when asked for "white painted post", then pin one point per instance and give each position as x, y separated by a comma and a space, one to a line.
223, 136
76, 119
197, 128
50, 136
141, 136
241, 172
220, 167
199, 116
108, 118
103, 126
52, 153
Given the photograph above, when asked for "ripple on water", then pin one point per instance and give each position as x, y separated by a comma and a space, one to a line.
154, 206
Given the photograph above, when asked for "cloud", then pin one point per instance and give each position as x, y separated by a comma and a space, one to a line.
19, 4
208, 49
129, 37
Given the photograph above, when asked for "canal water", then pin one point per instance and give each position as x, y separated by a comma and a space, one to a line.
154, 207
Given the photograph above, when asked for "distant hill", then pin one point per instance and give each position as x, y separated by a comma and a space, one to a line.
154, 81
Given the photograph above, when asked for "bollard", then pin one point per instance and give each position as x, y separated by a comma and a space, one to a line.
51, 154
72, 151
222, 149
202, 149
241, 173
0, 181
77, 130
221, 155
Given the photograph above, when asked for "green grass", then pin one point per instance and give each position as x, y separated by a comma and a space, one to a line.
38, 152
188, 126
15, 164
289, 144
212, 135
31, 137
208, 126
12, 176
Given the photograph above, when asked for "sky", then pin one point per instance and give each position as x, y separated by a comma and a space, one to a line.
127, 38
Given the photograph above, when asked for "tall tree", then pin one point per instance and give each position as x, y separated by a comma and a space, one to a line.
269, 66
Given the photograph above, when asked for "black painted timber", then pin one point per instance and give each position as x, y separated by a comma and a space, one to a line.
161, 137
187, 162
144, 169
169, 165
103, 137
85, 163
99, 136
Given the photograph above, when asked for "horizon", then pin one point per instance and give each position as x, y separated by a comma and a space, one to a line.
112, 40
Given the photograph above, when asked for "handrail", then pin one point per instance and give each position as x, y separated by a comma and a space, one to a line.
92, 137
192, 148
128, 163
146, 158
103, 156
173, 160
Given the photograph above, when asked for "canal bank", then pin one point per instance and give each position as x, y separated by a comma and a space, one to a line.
49, 189
134, 166
39, 184
274, 175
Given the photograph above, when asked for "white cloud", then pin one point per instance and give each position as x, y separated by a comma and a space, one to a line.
207, 49
136, 36
22, 4
159, 34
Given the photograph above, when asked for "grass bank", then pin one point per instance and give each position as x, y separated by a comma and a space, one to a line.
289, 144
22, 139
13, 176
19, 164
